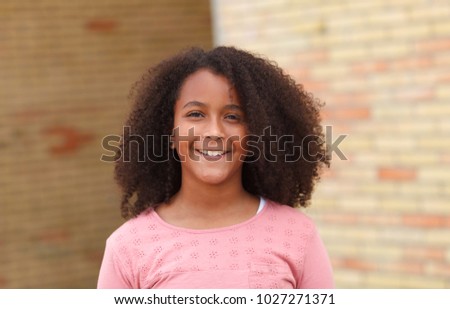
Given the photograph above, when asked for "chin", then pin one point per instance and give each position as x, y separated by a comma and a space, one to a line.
213, 179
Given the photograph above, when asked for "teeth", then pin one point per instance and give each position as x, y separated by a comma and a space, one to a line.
212, 153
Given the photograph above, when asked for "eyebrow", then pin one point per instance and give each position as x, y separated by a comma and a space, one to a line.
194, 103
201, 104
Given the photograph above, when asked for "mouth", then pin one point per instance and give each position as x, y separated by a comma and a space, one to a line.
212, 154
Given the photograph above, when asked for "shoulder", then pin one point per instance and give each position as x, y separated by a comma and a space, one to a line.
131, 229
290, 217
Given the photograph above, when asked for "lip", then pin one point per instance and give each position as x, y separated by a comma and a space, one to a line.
211, 158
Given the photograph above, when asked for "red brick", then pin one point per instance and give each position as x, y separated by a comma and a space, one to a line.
369, 67
3, 282
101, 25
415, 94
444, 158
328, 173
444, 77
54, 236
94, 256
437, 254
30, 114
347, 218
337, 263
33, 114
347, 113
358, 264
314, 86
300, 74
342, 128
404, 267
71, 139
396, 174
411, 63
426, 221
353, 113
430, 46
441, 269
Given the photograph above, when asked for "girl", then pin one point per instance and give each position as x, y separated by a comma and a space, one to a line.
244, 147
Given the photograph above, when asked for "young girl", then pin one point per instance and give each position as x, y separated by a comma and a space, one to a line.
244, 147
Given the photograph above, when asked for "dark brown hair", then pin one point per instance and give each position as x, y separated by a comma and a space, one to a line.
270, 99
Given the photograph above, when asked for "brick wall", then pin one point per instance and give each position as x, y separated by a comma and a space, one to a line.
66, 70
382, 67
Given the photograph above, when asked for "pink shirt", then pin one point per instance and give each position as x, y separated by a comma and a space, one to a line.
277, 248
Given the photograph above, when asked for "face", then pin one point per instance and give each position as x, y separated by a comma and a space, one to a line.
208, 129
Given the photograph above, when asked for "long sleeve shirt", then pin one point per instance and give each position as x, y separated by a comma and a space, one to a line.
277, 248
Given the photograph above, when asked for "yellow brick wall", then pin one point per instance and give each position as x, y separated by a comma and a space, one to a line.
66, 68
382, 68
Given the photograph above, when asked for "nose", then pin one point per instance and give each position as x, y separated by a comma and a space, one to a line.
214, 130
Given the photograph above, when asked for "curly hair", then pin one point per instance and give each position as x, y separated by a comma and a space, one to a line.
270, 99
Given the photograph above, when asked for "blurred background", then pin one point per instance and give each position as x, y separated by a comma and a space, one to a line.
382, 68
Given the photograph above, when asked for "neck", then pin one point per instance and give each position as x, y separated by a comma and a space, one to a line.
207, 198
200, 205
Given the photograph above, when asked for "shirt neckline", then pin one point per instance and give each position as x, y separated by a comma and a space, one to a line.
261, 210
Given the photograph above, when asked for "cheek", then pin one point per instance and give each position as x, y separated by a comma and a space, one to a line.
183, 140
239, 145
181, 144
242, 140
181, 135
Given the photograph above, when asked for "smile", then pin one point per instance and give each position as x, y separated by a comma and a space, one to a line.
212, 153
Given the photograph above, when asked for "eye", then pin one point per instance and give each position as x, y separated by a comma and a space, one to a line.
233, 117
195, 114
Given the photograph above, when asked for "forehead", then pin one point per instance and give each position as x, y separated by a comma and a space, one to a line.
207, 87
